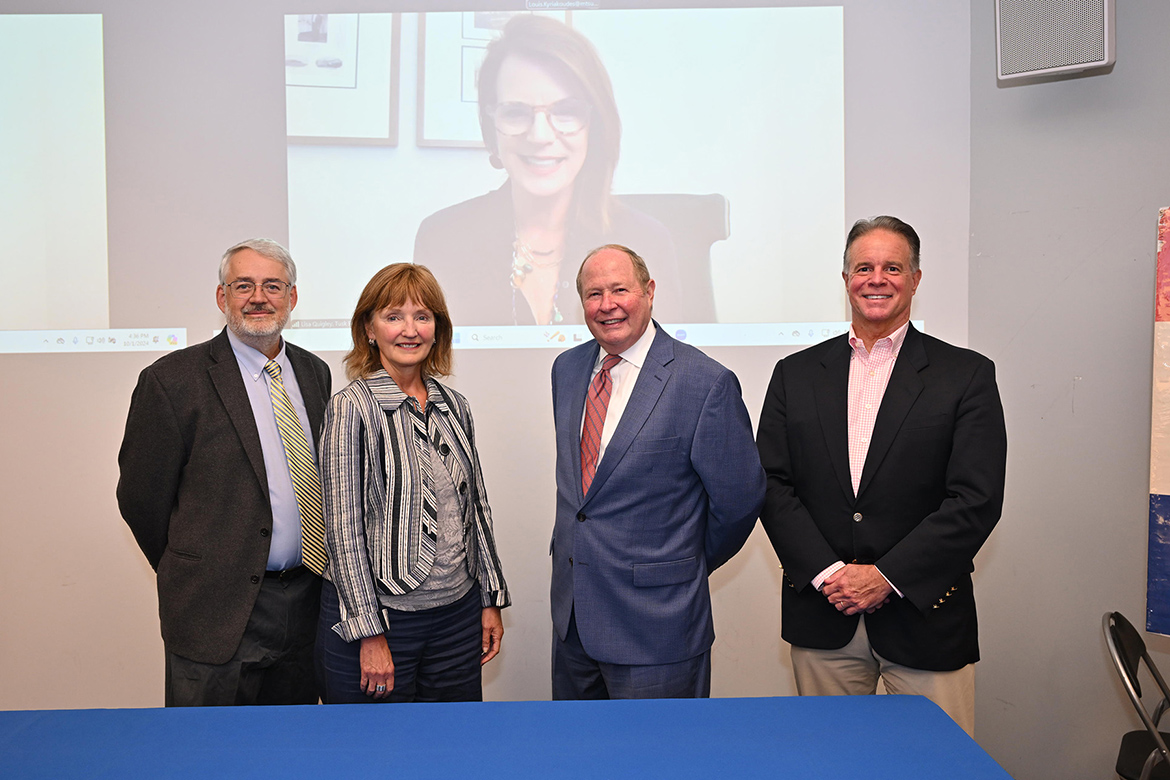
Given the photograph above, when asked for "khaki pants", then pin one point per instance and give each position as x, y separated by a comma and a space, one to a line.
855, 669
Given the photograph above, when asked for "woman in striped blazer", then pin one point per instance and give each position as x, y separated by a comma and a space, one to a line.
410, 609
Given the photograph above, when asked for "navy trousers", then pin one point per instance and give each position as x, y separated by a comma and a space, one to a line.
436, 653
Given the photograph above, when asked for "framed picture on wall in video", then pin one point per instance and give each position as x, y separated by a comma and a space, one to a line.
341, 78
451, 47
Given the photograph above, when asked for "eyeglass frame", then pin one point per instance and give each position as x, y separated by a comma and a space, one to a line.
547, 110
234, 291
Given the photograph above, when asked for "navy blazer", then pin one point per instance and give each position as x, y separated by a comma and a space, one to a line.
194, 491
931, 491
676, 495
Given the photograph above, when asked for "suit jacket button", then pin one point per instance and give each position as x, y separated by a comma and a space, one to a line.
857, 517
255, 579
264, 532
444, 450
462, 487
580, 517
570, 560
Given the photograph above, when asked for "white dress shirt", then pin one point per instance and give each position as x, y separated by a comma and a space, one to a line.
624, 376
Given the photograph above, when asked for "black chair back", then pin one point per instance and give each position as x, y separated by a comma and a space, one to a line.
1143, 754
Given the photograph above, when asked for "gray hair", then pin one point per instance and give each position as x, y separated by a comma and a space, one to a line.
265, 247
888, 223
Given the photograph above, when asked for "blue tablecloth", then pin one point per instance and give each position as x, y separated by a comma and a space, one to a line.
869, 737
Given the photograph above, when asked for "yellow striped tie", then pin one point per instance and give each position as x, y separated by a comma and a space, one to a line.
303, 471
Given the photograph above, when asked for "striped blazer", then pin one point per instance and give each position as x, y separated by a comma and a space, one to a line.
372, 443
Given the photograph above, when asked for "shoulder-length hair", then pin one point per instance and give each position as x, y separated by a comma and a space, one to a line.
394, 285
566, 54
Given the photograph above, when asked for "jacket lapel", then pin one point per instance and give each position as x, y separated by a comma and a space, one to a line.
833, 409
651, 382
225, 375
903, 390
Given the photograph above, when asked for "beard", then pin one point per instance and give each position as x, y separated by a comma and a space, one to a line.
263, 329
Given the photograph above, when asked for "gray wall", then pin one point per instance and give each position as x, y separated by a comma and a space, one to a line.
1066, 181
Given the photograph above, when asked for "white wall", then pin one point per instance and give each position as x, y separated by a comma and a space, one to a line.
1066, 181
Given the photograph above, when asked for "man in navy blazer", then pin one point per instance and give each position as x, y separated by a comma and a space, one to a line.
652, 496
885, 452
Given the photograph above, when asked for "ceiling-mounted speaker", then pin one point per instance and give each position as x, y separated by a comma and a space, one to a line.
1044, 37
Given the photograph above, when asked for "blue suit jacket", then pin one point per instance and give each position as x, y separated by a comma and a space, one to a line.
676, 494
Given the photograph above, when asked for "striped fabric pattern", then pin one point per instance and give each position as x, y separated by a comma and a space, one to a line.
306, 481
596, 403
428, 503
375, 471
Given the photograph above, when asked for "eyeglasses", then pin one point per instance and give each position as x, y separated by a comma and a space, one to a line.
273, 290
567, 116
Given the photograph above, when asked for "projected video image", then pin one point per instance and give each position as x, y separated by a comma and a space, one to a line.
54, 266
710, 141
730, 146
53, 186
549, 120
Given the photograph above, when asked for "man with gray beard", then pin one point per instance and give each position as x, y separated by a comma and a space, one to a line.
218, 482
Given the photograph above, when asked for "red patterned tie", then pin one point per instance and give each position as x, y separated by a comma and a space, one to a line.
596, 402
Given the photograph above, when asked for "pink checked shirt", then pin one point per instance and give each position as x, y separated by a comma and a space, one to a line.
869, 373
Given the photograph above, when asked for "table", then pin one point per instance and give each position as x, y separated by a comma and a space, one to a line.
788, 737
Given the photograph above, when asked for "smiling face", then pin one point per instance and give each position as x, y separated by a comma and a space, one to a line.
617, 309
404, 335
540, 162
256, 318
880, 283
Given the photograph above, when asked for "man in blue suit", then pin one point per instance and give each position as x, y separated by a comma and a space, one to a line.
658, 484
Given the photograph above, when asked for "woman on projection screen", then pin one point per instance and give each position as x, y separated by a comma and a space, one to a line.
549, 119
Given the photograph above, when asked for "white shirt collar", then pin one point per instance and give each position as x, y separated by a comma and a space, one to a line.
637, 353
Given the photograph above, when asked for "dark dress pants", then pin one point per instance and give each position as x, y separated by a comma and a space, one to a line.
436, 653
274, 662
